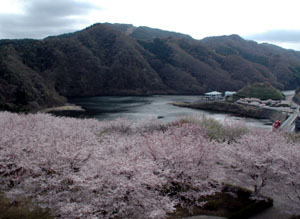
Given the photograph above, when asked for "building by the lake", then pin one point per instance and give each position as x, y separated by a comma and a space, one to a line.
214, 95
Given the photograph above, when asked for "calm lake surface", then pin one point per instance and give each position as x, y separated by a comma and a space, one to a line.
158, 107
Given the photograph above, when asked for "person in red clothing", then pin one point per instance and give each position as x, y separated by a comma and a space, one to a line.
276, 125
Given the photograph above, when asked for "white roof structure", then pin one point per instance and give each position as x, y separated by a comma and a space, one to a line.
213, 93
229, 93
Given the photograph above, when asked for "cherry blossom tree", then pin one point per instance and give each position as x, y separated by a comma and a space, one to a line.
266, 163
92, 169
84, 168
186, 159
70, 166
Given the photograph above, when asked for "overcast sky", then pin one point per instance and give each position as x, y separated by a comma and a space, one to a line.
273, 21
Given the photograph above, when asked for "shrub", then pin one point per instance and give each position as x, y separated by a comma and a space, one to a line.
214, 129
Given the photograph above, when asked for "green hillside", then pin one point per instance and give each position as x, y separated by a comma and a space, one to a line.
263, 91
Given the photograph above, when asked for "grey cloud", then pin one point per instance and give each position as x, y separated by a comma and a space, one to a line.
45, 17
58, 7
280, 36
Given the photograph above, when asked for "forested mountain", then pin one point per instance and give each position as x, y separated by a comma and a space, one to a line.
120, 59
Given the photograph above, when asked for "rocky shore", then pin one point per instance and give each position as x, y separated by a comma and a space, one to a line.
237, 108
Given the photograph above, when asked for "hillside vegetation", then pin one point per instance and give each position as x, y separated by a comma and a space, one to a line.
119, 59
263, 91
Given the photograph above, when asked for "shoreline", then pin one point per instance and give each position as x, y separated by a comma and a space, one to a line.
236, 108
67, 110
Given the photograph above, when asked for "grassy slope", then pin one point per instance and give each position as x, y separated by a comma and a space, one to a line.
263, 91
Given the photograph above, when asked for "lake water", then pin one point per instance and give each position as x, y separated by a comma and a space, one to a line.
158, 106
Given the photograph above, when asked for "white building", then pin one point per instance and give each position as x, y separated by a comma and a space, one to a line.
214, 95
229, 93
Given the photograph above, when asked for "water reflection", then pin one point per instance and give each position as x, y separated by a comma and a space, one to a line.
137, 108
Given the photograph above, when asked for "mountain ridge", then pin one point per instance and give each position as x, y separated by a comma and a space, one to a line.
120, 59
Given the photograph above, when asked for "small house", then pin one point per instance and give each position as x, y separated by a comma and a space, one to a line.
229, 93
214, 95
